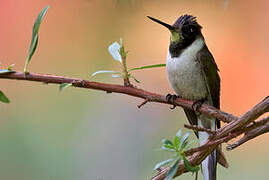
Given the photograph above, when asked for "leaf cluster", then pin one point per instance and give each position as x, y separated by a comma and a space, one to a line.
177, 147
119, 54
33, 45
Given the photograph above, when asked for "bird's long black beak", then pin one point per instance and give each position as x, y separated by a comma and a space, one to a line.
162, 23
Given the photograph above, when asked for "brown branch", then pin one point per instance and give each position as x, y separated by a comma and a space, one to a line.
257, 124
129, 90
211, 143
257, 129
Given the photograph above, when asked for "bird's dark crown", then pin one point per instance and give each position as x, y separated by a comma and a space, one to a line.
186, 20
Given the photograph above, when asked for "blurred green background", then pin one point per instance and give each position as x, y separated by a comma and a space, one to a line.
86, 134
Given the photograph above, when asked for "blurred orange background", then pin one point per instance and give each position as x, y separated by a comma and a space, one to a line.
87, 134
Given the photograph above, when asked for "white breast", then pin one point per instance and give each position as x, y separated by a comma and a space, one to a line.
184, 73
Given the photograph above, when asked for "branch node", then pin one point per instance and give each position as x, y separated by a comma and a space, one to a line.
127, 83
80, 83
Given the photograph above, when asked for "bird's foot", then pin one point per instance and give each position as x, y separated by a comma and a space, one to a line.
197, 104
171, 99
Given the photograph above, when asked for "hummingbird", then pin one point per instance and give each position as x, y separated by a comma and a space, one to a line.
193, 74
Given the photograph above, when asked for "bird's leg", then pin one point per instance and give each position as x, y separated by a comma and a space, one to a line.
171, 99
197, 104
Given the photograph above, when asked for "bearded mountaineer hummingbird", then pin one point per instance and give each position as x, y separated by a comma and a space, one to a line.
193, 74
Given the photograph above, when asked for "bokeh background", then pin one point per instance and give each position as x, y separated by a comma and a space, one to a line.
85, 134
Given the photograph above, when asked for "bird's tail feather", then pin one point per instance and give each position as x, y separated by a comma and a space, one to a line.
209, 164
209, 167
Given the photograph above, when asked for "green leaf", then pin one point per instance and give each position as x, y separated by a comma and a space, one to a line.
172, 171
31, 52
3, 98
163, 163
188, 166
167, 141
10, 67
168, 147
147, 67
5, 71
179, 133
176, 142
184, 139
103, 72
64, 85
114, 50
34, 40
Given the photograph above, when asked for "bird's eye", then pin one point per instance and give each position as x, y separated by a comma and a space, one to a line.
188, 31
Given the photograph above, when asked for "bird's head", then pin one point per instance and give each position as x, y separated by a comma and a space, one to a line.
185, 29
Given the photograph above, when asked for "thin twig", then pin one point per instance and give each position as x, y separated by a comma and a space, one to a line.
209, 144
257, 124
254, 132
199, 128
143, 103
